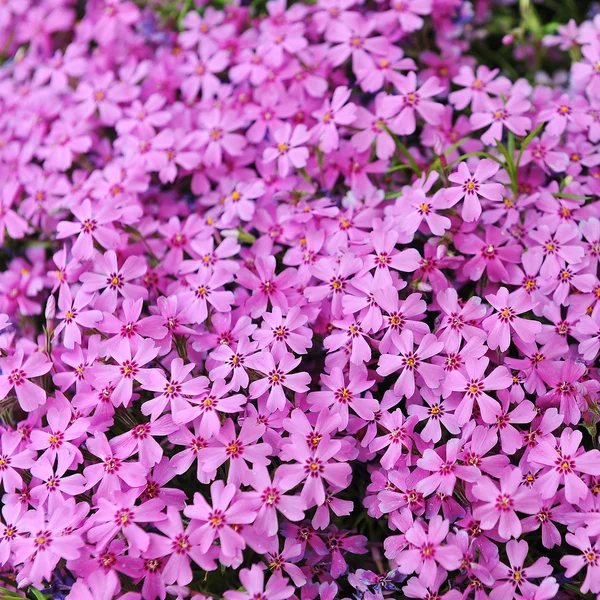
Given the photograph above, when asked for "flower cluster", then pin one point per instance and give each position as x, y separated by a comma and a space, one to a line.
296, 302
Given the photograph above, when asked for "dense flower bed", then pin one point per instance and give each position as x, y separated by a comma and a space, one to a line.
298, 301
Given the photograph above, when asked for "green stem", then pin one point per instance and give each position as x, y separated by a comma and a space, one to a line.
404, 150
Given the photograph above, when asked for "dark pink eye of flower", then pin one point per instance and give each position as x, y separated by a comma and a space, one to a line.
172, 389
198, 444
396, 320
564, 464
236, 361
354, 330
507, 314
313, 439
181, 544
216, 519
129, 330
428, 551
383, 260
124, 517
42, 540
129, 369
343, 395
517, 574
115, 281
281, 333
474, 388
202, 291
17, 377
152, 565
489, 252
53, 484
271, 496
105, 394
591, 556
337, 284
504, 503
89, 225
411, 361
314, 467
268, 287
396, 436
141, 432
55, 440
276, 377
70, 315
4, 462
551, 246
112, 464
234, 449
435, 411
471, 186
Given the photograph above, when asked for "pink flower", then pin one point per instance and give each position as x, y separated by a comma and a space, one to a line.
129, 367
73, 317
180, 549
444, 472
588, 558
541, 152
93, 225
269, 498
331, 115
474, 387
398, 437
476, 87
10, 221
239, 448
121, 515
17, 375
498, 114
112, 468
516, 576
313, 466
412, 100
342, 396
53, 483
276, 378
141, 440
427, 553
173, 391
114, 281
499, 506
561, 465
49, 540
215, 522
289, 149
500, 324
12, 458
471, 187
253, 580
411, 363
409, 13
217, 134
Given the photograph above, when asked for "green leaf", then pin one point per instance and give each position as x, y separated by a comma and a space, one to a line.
571, 196
404, 150
511, 144
184, 11
451, 149
481, 154
37, 594
399, 168
6, 594
395, 194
